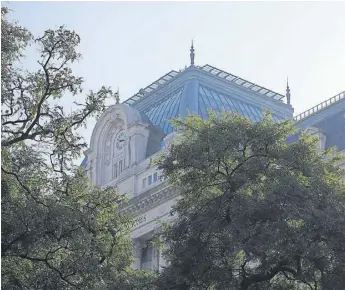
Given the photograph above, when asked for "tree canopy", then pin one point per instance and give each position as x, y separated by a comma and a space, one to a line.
255, 212
58, 232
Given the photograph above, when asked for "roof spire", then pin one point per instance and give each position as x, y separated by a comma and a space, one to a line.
192, 55
117, 96
288, 95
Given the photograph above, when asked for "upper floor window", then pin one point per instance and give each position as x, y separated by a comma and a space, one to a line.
151, 179
115, 173
155, 177
120, 166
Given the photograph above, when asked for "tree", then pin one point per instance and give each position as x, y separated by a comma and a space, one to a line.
255, 212
58, 232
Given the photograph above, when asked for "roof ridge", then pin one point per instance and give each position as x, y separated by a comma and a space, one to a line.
241, 82
212, 71
152, 87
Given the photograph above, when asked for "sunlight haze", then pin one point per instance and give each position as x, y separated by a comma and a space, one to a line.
131, 44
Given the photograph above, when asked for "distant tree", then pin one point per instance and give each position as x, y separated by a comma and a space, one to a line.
58, 232
255, 212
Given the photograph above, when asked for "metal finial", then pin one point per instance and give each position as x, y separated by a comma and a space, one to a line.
192, 54
117, 96
288, 94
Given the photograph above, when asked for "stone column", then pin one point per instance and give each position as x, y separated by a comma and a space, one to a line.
155, 259
137, 254
161, 261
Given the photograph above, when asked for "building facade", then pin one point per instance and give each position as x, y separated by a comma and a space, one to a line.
129, 136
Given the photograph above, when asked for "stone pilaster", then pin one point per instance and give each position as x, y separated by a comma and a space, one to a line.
137, 244
161, 261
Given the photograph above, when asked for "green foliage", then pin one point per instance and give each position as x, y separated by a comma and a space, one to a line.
255, 212
58, 232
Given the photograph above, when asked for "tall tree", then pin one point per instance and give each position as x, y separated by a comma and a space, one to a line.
58, 232
255, 212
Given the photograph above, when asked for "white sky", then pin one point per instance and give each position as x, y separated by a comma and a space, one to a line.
131, 44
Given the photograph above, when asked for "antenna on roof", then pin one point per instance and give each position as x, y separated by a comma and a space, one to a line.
288, 95
117, 96
192, 55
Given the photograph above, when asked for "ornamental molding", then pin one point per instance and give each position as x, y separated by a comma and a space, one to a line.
149, 199
114, 116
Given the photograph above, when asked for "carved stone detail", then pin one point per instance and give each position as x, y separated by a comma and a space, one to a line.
150, 201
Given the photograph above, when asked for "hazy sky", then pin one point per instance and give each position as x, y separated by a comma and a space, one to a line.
131, 44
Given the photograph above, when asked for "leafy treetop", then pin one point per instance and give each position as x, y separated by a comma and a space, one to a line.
58, 232
255, 212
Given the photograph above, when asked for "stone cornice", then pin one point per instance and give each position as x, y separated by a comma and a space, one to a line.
149, 199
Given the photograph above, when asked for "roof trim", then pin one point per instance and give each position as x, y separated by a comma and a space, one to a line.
241, 82
325, 104
215, 72
152, 87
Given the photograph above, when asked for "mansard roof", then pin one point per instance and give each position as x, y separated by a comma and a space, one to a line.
197, 89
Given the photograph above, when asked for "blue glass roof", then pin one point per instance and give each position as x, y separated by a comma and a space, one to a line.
211, 99
197, 94
165, 111
197, 98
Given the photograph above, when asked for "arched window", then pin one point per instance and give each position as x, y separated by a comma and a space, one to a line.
115, 172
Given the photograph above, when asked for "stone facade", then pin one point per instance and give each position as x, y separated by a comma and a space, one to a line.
129, 136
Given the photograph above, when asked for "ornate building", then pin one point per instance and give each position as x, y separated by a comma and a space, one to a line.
128, 136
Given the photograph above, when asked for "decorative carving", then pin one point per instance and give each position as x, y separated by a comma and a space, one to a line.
129, 152
140, 220
192, 55
168, 141
152, 200
107, 150
150, 163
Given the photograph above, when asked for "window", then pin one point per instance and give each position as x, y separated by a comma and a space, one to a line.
155, 177
144, 182
120, 166
115, 170
150, 179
